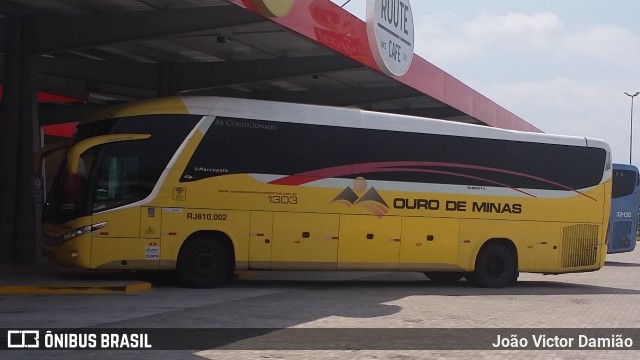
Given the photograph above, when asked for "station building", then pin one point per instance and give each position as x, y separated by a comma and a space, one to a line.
63, 59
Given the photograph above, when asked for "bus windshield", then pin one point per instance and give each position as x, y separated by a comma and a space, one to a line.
625, 194
624, 183
115, 173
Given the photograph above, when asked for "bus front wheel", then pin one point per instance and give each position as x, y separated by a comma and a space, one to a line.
496, 267
203, 263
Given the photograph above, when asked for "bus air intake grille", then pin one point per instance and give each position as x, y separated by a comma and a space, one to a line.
621, 235
579, 245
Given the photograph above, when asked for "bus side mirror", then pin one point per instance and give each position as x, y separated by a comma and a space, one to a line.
45, 151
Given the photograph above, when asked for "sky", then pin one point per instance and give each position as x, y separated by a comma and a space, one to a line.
562, 65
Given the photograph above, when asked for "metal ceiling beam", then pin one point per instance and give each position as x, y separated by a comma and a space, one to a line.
343, 97
137, 75
83, 5
58, 114
76, 89
215, 74
3, 35
158, 4
60, 33
190, 76
11, 9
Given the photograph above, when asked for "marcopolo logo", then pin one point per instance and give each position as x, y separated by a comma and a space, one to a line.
391, 34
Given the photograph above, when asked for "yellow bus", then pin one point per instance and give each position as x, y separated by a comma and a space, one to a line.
211, 185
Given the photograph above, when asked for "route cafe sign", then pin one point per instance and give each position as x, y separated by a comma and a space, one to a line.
391, 34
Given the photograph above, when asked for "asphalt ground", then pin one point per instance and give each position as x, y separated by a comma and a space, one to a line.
394, 314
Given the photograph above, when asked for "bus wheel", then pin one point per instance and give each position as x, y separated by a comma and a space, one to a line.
443, 277
203, 263
495, 267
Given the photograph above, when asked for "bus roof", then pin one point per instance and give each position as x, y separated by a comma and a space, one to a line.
332, 116
620, 166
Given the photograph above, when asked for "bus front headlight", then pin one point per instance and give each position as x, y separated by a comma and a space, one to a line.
81, 231
76, 232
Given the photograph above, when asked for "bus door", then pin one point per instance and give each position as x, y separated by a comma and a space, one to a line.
111, 174
133, 229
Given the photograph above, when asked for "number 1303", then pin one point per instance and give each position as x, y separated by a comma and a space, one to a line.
283, 199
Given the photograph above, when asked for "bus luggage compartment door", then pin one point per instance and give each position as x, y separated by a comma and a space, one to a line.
260, 240
429, 244
304, 241
369, 242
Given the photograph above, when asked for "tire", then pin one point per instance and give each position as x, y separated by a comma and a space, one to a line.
204, 263
443, 277
496, 267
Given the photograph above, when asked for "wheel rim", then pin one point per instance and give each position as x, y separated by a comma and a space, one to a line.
205, 262
495, 267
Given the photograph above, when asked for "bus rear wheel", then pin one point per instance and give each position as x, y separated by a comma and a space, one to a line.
443, 277
203, 263
496, 267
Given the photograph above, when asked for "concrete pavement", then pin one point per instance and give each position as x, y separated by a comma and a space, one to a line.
608, 298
